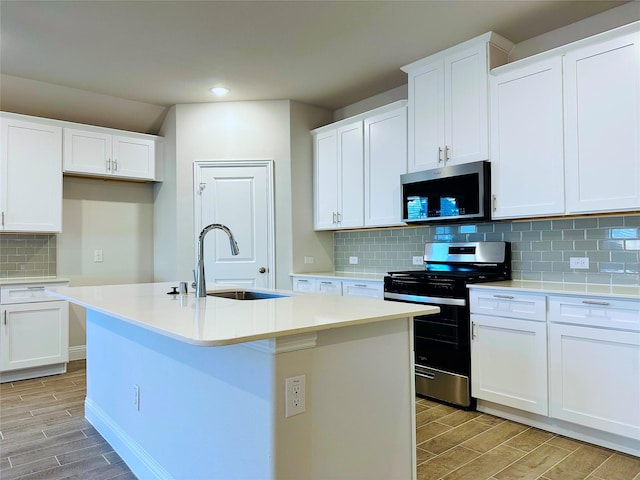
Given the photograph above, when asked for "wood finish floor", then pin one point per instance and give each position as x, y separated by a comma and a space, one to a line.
43, 435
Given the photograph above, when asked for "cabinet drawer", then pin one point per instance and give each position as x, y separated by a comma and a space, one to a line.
317, 285
596, 312
305, 285
27, 293
508, 304
363, 289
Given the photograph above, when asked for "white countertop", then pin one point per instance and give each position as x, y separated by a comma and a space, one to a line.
631, 292
214, 321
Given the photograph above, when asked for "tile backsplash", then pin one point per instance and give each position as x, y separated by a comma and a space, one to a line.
27, 255
540, 248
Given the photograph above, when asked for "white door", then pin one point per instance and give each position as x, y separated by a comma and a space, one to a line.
426, 117
465, 106
385, 160
238, 194
527, 153
602, 126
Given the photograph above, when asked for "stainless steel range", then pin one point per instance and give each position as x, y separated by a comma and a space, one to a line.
442, 344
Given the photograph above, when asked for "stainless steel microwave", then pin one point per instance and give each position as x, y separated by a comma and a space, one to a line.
454, 193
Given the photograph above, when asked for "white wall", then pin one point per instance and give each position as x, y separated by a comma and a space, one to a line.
115, 217
232, 130
41, 99
602, 22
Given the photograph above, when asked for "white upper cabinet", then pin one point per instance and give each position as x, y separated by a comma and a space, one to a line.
385, 153
94, 153
602, 125
357, 167
338, 177
527, 155
448, 103
30, 176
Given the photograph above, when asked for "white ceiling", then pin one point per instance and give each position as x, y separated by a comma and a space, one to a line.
325, 53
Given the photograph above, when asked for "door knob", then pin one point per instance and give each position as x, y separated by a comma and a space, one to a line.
262, 269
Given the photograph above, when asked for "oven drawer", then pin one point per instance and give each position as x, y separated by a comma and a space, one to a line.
506, 303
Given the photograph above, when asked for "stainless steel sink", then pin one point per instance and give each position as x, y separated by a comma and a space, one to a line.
245, 295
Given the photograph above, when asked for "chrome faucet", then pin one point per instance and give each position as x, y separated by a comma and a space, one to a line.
201, 283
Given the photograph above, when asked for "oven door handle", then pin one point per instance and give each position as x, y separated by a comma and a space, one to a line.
428, 376
458, 302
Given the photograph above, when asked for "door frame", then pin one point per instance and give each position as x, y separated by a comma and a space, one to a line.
268, 165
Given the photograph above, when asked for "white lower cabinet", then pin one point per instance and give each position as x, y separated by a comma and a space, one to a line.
34, 335
509, 350
594, 363
332, 286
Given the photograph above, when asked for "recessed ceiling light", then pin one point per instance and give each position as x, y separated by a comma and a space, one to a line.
219, 91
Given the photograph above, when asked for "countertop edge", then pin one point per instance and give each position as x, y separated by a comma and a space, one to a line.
623, 292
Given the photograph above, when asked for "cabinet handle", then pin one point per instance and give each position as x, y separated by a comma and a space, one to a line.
507, 297
339, 217
115, 165
5, 318
302, 281
593, 302
446, 153
108, 165
439, 154
361, 285
473, 330
40, 288
334, 218
494, 203
3, 219
327, 283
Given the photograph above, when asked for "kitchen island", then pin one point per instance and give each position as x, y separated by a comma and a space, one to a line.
194, 388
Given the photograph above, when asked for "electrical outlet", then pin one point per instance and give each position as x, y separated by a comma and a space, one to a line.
97, 256
417, 260
294, 395
579, 262
308, 260
353, 260
136, 396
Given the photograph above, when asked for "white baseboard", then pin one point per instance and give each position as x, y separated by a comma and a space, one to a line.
79, 352
137, 459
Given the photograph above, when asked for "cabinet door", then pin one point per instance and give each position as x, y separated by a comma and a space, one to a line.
527, 154
385, 153
509, 362
351, 162
34, 335
30, 177
325, 178
465, 106
595, 378
133, 157
602, 126
426, 117
87, 152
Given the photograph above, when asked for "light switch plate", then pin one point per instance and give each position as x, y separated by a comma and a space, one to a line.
579, 262
353, 260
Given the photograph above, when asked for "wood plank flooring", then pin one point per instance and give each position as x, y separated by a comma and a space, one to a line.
43, 435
